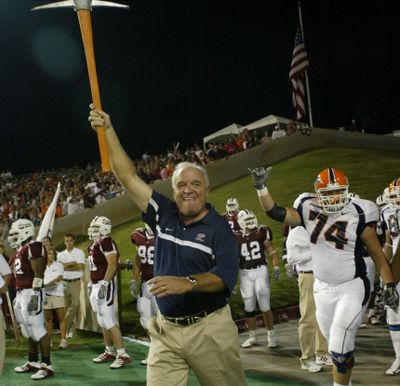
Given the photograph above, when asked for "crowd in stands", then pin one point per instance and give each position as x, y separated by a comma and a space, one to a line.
28, 196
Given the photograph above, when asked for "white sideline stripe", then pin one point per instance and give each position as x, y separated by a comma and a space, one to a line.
138, 341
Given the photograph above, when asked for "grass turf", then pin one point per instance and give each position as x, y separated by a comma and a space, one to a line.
369, 172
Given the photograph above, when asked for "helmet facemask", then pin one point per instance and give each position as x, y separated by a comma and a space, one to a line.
333, 199
332, 188
232, 205
20, 231
247, 221
100, 226
393, 193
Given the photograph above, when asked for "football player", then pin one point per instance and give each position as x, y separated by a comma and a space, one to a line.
29, 266
391, 217
254, 241
103, 264
143, 238
232, 210
337, 228
370, 266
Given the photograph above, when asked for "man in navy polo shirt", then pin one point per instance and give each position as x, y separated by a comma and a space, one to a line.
196, 263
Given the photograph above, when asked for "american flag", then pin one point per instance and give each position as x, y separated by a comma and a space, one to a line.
297, 73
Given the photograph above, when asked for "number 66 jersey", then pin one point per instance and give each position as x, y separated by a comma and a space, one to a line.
336, 246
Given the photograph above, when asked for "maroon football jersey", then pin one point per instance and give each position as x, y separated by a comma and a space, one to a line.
22, 264
97, 257
252, 250
232, 221
145, 251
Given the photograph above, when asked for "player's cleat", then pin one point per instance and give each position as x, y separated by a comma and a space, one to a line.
144, 362
272, 342
394, 368
63, 343
250, 341
311, 366
104, 357
28, 366
120, 361
45, 371
323, 360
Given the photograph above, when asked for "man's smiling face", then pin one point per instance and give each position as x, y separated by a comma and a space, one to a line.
190, 193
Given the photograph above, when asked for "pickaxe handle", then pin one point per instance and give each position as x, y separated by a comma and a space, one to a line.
85, 23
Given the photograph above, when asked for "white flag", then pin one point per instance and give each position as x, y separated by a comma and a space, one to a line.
46, 228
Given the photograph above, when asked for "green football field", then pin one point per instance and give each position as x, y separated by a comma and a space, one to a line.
369, 173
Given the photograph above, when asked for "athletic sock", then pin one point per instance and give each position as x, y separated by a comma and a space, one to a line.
271, 333
395, 335
46, 360
110, 349
33, 357
121, 351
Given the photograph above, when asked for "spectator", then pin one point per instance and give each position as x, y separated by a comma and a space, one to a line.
54, 289
73, 260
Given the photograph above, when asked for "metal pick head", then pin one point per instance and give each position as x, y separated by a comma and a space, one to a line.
80, 4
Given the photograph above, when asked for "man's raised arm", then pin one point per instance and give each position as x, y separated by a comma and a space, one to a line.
122, 166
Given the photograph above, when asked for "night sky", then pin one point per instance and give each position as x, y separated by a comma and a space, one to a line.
174, 70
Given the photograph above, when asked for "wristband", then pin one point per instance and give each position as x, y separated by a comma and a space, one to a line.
390, 285
262, 192
37, 283
104, 282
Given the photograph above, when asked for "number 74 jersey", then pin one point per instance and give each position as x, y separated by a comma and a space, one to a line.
336, 246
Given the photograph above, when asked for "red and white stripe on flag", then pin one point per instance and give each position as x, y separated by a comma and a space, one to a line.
296, 75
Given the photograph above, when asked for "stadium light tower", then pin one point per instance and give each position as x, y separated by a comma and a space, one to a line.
83, 9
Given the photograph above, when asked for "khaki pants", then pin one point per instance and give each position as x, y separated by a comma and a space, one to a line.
2, 341
210, 347
72, 294
311, 339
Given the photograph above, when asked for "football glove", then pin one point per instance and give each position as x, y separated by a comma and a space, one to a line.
133, 288
259, 176
391, 297
277, 273
33, 304
290, 272
103, 289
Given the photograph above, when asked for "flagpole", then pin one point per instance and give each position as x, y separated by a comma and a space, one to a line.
306, 74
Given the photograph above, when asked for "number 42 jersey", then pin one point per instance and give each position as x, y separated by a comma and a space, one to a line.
336, 246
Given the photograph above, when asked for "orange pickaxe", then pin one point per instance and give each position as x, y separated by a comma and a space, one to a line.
83, 9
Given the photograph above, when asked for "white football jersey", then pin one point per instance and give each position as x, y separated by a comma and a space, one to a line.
391, 217
336, 247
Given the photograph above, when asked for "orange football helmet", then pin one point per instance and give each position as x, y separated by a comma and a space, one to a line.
393, 194
332, 188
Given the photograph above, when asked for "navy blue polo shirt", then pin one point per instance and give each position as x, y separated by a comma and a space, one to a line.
181, 250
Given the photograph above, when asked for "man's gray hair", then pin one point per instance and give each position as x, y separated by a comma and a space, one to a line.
185, 165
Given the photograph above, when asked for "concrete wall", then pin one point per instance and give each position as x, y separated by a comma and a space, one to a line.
122, 209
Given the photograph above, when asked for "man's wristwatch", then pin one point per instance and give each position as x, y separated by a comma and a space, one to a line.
193, 281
